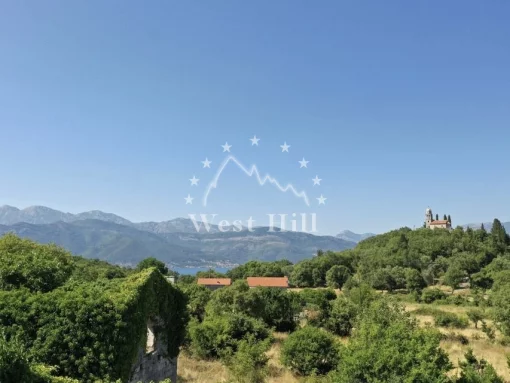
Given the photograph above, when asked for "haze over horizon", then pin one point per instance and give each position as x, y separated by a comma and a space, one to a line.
397, 106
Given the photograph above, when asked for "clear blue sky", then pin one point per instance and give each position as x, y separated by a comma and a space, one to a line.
398, 105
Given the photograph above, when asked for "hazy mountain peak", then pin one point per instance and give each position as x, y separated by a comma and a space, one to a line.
353, 237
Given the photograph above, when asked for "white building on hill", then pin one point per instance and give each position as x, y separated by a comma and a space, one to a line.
430, 223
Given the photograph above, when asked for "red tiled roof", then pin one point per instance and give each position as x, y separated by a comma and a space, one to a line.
439, 222
214, 281
268, 281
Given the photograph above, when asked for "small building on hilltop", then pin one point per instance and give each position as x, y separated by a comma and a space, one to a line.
278, 282
214, 283
430, 223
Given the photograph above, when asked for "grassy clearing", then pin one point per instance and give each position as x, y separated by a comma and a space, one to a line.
495, 354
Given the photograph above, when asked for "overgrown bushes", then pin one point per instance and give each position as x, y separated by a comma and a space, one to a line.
93, 331
445, 319
310, 351
220, 336
24, 263
432, 295
388, 346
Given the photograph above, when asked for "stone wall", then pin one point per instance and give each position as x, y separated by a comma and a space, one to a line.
152, 362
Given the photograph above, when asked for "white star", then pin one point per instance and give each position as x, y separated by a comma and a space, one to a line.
194, 181
316, 180
226, 147
254, 141
285, 147
303, 163
189, 200
207, 163
321, 200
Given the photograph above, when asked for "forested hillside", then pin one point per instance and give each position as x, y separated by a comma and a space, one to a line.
395, 319
406, 306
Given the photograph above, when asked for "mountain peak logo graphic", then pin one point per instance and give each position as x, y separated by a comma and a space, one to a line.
251, 172
295, 221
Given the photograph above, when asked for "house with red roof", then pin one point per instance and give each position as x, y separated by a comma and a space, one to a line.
214, 283
278, 282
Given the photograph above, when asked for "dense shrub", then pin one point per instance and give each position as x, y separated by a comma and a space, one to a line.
197, 296
341, 317
147, 263
277, 308
432, 295
24, 263
388, 346
310, 351
87, 270
14, 365
220, 336
249, 363
445, 319
93, 331
477, 371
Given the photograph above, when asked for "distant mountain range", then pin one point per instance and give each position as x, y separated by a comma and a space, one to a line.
354, 237
487, 226
107, 236
96, 234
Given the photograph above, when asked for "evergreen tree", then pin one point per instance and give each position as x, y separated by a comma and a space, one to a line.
449, 219
437, 217
499, 236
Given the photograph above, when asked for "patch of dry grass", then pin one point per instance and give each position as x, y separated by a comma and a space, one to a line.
495, 354
191, 370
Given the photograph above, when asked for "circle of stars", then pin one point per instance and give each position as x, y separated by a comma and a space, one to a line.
255, 142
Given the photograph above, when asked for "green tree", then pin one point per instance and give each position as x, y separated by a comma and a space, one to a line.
337, 276
500, 299
231, 299
24, 263
449, 219
220, 336
499, 237
310, 351
477, 371
437, 217
301, 275
14, 365
445, 218
210, 273
152, 262
341, 317
249, 363
362, 295
454, 276
198, 296
475, 316
388, 346
414, 280
276, 308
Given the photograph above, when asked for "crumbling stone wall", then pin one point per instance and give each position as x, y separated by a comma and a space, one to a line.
152, 362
